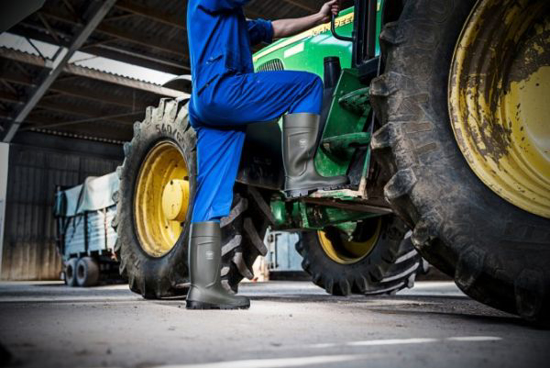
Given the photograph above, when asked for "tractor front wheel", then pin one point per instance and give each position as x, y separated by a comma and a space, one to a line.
378, 258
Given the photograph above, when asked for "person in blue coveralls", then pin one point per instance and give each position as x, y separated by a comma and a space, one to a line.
228, 95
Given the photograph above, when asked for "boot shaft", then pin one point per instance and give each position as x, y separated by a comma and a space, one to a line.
300, 133
300, 138
205, 253
206, 291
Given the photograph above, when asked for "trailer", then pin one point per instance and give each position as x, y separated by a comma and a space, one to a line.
85, 238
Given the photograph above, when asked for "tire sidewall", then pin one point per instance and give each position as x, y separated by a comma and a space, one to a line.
155, 277
461, 225
71, 265
90, 272
328, 273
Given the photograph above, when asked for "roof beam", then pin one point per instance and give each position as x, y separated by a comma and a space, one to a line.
301, 5
49, 28
39, 122
152, 13
102, 97
113, 52
104, 133
144, 40
70, 109
59, 64
129, 36
163, 17
17, 78
93, 74
71, 9
87, 94
10, 97
123, 81
131, 117
140, 59
89, 113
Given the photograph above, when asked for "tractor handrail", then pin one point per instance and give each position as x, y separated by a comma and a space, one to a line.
335, 34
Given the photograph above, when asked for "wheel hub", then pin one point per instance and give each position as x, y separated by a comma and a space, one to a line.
340, 249
175, 200
498, 99
161, 199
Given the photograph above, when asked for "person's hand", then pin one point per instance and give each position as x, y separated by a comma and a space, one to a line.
329, 8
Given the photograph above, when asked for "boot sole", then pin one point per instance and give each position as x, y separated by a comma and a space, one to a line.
201, 305
300, 193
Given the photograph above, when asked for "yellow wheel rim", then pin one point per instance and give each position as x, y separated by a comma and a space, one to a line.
161, 199
499, 102
348, 251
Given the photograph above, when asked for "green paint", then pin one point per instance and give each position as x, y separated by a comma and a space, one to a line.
315, 48
357, 101
343, 146
279, 211
347, 228
344, 130
317, 217
341, 121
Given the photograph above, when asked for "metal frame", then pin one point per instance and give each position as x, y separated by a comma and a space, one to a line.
364, 34
59, 64
4, 162
364, 47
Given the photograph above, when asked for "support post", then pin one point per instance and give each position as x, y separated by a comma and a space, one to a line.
4, 160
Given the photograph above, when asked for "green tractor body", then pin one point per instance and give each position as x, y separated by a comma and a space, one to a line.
436, 111
344, 147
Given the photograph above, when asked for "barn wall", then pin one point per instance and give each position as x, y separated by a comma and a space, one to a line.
29, 251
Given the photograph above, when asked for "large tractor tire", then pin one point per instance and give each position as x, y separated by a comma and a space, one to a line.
479, 203
154, 206
379, 259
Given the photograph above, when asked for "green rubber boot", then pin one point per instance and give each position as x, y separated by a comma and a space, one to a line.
300, 133
205, 256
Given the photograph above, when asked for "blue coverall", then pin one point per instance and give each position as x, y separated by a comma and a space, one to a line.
227, 95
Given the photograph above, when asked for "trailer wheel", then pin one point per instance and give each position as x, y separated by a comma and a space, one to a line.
377, 260
70, 272
464, 104
87, 272
154, 207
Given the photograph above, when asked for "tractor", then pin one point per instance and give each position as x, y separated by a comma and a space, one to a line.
436, 110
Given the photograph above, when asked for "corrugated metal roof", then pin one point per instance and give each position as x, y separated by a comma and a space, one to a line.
148, 33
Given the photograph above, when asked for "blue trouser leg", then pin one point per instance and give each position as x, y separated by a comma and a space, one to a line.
217, 169
220, 115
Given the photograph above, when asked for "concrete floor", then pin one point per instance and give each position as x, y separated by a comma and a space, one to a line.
290, 324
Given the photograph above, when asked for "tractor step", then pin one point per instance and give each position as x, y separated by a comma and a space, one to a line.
341, 194
300, 193
345, 145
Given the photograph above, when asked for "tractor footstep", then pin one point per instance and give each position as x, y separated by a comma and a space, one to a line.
337, 193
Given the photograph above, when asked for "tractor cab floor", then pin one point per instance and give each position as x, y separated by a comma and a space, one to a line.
290, 324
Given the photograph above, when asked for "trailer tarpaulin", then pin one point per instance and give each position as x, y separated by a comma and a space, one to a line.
95, 194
